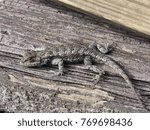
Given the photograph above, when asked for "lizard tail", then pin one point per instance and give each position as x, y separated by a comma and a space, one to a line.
109, 62
118, 69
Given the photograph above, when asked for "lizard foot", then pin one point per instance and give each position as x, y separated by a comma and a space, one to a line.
97, 70
106, 48
59, 73
97, 77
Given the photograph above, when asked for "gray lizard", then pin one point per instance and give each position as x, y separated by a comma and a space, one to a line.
59, 55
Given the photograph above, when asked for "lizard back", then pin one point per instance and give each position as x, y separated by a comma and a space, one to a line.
69, 53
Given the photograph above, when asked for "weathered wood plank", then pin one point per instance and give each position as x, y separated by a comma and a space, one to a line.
134, 14
35, 24
100, 100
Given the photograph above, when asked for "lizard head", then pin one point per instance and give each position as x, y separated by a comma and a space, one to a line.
32, 58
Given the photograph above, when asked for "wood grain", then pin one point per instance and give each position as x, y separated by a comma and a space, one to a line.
36, 24
134, 14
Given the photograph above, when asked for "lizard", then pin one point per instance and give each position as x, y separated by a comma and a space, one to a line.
62, 54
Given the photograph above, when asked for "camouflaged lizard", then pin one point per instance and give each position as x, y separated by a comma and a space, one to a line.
59, 55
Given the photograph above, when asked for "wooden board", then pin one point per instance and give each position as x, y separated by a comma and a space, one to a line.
36, 24
134, 14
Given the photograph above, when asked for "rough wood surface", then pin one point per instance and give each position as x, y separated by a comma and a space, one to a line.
36, 24
134, 14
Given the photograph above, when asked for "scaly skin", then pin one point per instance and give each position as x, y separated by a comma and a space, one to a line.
60, 55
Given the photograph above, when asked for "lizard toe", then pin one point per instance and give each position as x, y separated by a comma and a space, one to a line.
58, 73
96, 79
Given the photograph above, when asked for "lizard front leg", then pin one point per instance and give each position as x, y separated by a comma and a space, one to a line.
88, 65
60, 63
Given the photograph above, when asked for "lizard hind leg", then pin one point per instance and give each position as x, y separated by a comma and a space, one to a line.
105, 49
88, 65
60, 63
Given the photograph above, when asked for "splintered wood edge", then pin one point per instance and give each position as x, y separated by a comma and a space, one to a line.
132, 14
